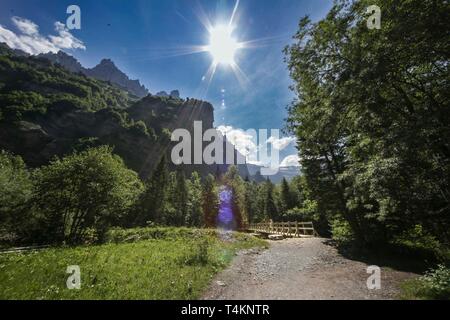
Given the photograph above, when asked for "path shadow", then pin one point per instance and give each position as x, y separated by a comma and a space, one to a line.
386, 256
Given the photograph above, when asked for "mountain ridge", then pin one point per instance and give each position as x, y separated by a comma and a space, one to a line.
106, 70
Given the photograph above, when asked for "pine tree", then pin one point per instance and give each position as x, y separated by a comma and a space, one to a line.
237, 185
180, 200
286, 196
251, 201
210, 201
270, 207
155, 197
195, 214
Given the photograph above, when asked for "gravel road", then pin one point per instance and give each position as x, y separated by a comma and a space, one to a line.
299, 269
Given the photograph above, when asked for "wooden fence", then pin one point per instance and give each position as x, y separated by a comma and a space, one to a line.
289, 229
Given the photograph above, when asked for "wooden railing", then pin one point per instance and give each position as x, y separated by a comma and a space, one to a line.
290, 229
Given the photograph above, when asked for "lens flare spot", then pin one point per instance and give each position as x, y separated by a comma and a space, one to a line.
225, 219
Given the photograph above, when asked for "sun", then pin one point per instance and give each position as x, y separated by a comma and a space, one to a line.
222, 46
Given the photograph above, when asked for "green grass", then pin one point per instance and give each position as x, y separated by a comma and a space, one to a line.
178, 265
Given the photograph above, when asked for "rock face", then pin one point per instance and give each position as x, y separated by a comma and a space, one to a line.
64, 60
175, 94
5, 50
105, 71
60, 132
162, 94
161, 114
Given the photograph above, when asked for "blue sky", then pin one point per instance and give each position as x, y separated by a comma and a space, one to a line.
144, 38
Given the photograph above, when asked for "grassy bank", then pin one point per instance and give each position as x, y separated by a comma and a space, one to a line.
136, 264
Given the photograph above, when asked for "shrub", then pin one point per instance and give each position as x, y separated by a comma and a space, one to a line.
435, 284
15, 191
139, 128
418, 242
198, 255
341, 231
308, 212
91, 189
119, 235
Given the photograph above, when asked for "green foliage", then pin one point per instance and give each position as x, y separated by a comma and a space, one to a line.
270, 207
420, 243
434, 285
172, 200
15, 192
15, 103
371, 117
195, 216
92, 189
198, 254
237, 186
30, 86
308, 212
286, 196
154, 202
84, 144
341, 231
120, 235
177, 201
140, 128
210, 201
251, 202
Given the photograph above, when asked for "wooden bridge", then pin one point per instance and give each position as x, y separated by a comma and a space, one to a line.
288, 229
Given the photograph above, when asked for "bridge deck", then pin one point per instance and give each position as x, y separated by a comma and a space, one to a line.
289, 229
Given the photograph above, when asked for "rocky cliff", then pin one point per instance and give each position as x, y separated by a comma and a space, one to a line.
106, 70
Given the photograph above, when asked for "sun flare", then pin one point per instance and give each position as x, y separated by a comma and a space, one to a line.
222, 45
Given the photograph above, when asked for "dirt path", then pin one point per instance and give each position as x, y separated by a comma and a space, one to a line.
298, 269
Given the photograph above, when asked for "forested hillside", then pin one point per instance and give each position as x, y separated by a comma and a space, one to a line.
48, 111
31, 86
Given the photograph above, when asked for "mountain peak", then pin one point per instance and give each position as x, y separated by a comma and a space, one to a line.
106, 70
63, 59
175, 94
61, 53
107, 62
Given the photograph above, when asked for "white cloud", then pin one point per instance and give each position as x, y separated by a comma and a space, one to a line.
243, 141
65, 39
281, 144
29, 40
291, 161
246, 143
26, 26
